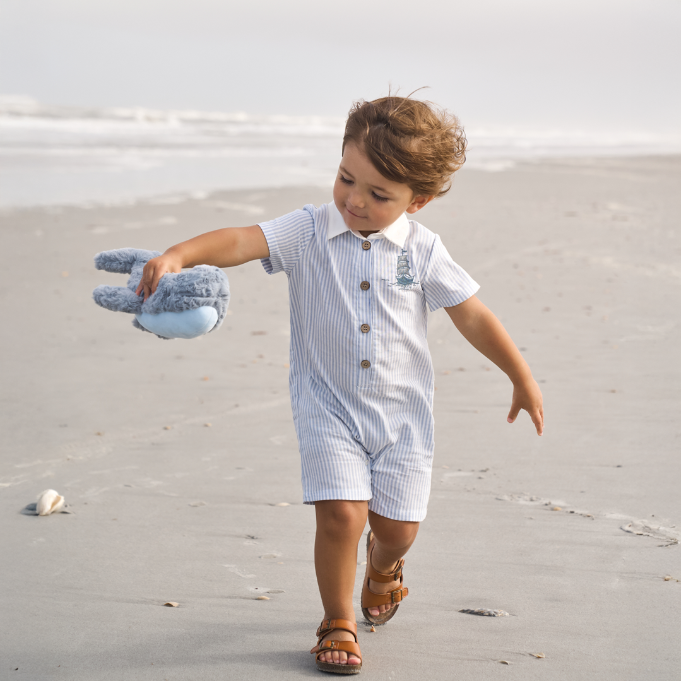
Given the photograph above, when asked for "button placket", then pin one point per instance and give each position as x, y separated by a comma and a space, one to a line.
364, 314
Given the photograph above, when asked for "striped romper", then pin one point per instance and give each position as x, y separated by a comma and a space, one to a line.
361, 377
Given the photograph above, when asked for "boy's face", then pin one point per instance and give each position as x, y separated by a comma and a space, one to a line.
367, 200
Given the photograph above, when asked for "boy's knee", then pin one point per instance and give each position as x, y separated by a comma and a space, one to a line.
339, 515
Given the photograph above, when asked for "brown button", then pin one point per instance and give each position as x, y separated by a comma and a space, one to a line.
365, 285
365, 328
366, 245
366, 364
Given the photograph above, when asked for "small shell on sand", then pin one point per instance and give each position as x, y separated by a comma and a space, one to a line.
171, 604
485, 612
504, 662
49, 502
262, 598
539, 656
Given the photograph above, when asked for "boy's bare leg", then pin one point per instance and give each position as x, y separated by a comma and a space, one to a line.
393, 539
339, 528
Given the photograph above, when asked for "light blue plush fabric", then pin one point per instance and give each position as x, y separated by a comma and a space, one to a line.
186, 324
184, 305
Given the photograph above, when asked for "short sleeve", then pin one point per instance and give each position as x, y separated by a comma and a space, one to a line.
287, 238
445, 284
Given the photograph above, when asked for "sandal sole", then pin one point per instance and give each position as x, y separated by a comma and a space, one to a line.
386, 616
339, 668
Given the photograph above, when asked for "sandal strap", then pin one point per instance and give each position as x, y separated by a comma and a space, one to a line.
329, 625
370, 599
346, 646
377, 576
384, 577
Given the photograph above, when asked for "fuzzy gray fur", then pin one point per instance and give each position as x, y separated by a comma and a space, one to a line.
201, 286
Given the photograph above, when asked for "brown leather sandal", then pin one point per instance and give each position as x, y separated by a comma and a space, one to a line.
350, 647
370, 599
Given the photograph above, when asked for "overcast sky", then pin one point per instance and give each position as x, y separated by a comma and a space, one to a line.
570, 64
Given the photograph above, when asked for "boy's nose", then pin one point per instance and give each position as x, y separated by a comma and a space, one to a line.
356, 200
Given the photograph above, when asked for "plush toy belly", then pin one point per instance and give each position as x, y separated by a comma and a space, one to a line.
185, 324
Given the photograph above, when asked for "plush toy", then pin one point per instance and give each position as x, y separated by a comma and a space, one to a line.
185, 305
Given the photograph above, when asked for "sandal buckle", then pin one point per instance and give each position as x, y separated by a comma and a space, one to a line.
393, 594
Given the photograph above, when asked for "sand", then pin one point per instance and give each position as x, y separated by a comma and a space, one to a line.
580, 261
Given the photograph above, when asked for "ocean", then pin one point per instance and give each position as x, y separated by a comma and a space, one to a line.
56, 155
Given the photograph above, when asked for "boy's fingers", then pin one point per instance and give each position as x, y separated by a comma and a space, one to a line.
515, 409
154, 283
538, 420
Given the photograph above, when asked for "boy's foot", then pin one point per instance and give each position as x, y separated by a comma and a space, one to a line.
376, 608
382, 588
339, 656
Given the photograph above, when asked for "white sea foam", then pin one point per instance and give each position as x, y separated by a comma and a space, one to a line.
60, 154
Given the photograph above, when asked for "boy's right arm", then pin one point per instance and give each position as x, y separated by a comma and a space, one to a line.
223, 248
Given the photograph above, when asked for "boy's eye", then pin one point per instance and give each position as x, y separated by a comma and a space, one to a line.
379, 198
345, 180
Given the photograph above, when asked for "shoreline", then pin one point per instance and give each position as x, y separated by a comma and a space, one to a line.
489, 165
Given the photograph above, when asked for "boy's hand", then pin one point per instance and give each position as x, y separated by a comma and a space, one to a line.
154, 270
527, 396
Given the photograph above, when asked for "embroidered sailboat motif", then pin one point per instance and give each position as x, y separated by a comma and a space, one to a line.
404, 279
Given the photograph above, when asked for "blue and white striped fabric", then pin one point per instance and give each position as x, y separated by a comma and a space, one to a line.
361, 377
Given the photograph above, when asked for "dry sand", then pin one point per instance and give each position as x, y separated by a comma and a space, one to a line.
579, 259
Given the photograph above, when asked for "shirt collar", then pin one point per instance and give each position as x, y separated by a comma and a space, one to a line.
397, 232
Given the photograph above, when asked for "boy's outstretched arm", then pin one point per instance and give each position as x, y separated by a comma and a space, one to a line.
485, 333
223, 248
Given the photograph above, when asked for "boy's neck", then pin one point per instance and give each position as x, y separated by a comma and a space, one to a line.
366, 234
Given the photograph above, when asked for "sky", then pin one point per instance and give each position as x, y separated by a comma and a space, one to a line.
528, 64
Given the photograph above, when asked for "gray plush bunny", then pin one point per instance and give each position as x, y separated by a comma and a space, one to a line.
185, 305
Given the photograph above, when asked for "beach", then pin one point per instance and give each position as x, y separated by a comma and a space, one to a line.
179, 463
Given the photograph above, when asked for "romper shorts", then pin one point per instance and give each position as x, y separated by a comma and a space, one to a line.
383, 454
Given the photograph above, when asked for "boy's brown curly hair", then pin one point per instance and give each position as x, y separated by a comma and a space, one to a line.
408, 141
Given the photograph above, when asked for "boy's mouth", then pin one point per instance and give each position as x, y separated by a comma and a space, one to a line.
354, 214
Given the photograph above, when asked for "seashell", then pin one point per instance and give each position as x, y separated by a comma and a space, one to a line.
485, 612
373, 628
282, 503
49, 501
538, 655
556, 508
262, 598
172, 604
504, 662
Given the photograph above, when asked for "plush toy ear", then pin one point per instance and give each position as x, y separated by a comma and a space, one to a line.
118, 299
122, 259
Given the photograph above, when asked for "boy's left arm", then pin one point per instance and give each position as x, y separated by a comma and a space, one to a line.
485, 333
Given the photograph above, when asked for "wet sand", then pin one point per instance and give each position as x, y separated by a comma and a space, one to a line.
580, 261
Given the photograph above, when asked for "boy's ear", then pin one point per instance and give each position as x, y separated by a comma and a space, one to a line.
419, 202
